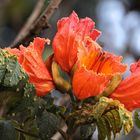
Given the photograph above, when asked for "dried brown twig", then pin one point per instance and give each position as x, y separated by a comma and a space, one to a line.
36, 12
32, 27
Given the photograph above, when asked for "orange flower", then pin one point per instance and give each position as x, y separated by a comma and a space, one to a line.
31, 61
128, 92
70, 31
95, 69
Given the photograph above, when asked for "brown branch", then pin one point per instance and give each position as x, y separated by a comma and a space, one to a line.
63, 134
2, 110
39, 25
36, 12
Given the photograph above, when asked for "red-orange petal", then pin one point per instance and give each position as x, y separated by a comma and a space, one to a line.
95, 69
88, 83
135, 67
34, 66
39, 43
128, 92
70, 31
94, 58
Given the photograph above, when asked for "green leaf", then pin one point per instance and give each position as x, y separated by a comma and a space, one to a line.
87, 130
102, 131
47, 124
31, 127
114, 120
15, 124
27, 100
7, 131
126, 117
48, 101
13, 82
14, 73
58, 110
109, 115
137, 118
2, 66
100, 109
11, 73
108, 128
9, 98
30, 138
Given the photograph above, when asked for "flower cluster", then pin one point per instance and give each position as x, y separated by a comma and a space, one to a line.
30, 59
90, 67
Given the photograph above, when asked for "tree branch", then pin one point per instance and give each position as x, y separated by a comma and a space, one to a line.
63, 134
36, 12
39, 25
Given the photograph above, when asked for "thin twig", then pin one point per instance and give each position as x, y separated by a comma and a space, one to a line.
2, 109
36, 12
63, 134
27, 133
40, 24
36, 136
